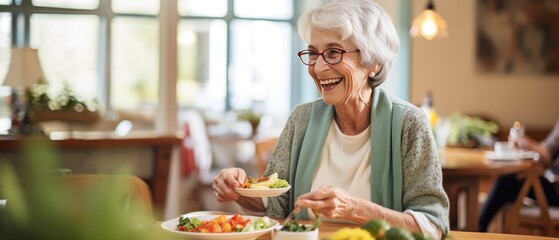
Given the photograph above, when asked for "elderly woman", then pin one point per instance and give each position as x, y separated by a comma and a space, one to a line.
355, 154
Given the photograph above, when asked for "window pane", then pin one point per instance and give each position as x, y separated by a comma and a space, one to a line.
261, 66
136, 6
211, 8
202, 60
274, 9
77, 4
5, 2
5, 40
5, 36
135, 63
68, 51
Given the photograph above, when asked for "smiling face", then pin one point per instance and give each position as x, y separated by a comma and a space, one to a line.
343, 82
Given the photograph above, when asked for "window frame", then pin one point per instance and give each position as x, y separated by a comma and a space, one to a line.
301, 88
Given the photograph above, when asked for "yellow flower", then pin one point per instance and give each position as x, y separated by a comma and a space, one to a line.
352, 234
433, 118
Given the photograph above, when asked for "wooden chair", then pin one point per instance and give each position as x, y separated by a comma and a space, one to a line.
541, 217
262, 150
136, 192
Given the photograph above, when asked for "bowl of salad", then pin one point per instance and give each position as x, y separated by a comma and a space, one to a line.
295, 231
224, 227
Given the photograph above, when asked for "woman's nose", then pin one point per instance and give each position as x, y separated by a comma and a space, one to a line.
321, 64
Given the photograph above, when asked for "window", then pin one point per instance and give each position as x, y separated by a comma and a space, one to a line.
68, 50
80, 4
202, 67
254, 73
5, 37
5, 41
135, 63
136, 6
260, 68
271, 9
209, 8
231, 55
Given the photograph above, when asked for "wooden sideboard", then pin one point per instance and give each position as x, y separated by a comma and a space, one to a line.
160, 146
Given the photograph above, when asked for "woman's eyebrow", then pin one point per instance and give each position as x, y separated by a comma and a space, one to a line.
329, 45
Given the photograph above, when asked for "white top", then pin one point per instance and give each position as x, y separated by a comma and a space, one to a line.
345, 162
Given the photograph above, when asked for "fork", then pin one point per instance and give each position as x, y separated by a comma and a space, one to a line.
317, 220
291, 215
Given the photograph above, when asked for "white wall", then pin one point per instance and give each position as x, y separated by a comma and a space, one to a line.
447, 68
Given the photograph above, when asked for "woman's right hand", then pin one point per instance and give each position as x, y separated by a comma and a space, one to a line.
526, 143
225, 183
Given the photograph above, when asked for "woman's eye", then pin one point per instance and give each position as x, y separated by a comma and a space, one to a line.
332, 52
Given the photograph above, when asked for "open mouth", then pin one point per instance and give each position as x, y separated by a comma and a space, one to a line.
330, 83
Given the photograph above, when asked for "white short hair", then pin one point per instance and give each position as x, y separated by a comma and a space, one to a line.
365, 23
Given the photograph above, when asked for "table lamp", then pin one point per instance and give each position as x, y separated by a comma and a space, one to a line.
24, 71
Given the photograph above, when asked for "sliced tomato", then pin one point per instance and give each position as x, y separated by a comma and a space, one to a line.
262, 179
245, 222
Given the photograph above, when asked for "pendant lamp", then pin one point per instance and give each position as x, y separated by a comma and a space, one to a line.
429, 24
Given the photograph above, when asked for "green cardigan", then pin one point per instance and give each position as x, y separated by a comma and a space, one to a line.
405, 170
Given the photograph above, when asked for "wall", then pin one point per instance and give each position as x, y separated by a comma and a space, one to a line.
447, 68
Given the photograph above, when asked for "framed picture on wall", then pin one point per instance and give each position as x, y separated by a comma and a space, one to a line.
517, 36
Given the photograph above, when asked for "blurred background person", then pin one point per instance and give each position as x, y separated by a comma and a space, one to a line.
506, 188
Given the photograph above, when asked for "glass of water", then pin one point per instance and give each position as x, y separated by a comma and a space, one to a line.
516, 134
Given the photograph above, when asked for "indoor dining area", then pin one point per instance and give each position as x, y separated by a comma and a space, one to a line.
279, 119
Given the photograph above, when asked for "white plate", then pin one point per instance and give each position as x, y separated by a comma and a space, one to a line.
255, 192
517, 155
171, 226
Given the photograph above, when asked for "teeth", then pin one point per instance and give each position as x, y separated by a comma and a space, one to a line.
330, 81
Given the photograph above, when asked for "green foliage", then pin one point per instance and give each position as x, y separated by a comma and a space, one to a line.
249, 116
39, 206
376, 227
464, 129
297, 227
67, 100
398, 234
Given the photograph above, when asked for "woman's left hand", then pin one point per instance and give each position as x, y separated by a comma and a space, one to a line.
330, 201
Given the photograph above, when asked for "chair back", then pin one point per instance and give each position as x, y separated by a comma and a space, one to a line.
542, 218
133, 191
262, 150
198, 139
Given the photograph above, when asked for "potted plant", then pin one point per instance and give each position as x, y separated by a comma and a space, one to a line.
470, 131
252, 118
67, 106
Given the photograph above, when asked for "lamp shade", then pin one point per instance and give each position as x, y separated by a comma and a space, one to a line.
429, 24
25, 68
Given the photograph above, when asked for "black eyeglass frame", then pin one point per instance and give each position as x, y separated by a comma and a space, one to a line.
308, 51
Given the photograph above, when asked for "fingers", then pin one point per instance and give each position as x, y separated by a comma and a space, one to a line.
238, 179
320, 200
328, 200
226, 181
321, 193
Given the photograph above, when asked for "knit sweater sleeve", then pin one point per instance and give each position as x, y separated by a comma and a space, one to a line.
422, 180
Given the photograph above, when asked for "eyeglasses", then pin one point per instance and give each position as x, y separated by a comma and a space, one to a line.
330, 55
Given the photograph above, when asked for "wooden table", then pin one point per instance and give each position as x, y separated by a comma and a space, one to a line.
462, 170
327, 230
161, 145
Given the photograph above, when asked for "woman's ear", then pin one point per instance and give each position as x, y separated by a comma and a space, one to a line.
374, 70
377, 68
